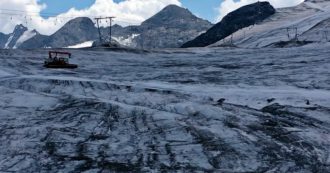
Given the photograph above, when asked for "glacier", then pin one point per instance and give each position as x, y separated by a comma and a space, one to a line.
172, 110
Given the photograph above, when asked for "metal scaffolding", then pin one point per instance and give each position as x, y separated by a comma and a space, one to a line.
98, 21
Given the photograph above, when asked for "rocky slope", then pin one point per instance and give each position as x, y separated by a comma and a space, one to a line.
3, 39
172, 26
74, 32
13, 37
234, 21
169, 28
306, 23
17, 37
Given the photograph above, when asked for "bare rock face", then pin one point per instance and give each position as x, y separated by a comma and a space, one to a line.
18, 36
75, 31
241, 18
3, 39
18, 32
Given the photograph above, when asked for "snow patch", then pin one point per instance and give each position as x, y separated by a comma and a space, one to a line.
8, 41
126, 41
82, 45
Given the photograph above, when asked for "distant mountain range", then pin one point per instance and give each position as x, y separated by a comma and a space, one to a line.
253, 26
169, 28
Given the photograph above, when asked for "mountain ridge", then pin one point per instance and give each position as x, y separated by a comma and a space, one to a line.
243, 17
83, 30
294, 26
169, 28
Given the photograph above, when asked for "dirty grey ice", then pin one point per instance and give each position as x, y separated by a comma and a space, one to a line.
216, 110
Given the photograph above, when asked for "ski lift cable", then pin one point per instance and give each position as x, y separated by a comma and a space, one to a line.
18, 12
64, 18
43, 14
37, 13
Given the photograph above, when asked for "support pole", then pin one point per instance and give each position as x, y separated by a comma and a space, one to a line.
98, 28
110, 27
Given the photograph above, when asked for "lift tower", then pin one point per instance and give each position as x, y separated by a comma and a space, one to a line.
98, 21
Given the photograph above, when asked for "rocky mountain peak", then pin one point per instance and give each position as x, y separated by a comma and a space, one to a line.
175, 10
19, 29
80, 22
35, 31
74, 32
18, 32
172, 16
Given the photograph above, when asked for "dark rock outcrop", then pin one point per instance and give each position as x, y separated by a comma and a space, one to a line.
234, 21
3, 39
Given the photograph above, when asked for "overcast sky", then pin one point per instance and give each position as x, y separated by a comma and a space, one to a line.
35, 13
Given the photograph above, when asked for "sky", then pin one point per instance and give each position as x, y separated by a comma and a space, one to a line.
47, 16
206, 9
